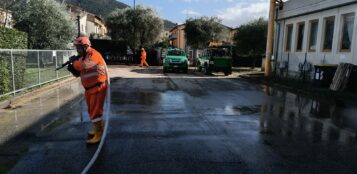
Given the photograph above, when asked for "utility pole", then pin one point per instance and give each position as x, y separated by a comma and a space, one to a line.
270, 38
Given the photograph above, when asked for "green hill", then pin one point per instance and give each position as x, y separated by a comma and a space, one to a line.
168, 24
99, 7
104, 7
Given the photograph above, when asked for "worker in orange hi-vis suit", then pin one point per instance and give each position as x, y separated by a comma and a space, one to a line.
92, 70
143, 58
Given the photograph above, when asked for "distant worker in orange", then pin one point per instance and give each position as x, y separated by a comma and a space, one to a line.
92, 70
143, 58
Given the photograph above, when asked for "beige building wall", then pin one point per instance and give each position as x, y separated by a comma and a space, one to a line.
177, 37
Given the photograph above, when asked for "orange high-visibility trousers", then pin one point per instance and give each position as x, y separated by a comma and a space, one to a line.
143, 62
95, 98
143, 59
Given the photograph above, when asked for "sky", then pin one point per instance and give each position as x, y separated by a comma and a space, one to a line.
233, 13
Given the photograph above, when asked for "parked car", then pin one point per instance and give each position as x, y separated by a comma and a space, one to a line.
215, 59
175, 59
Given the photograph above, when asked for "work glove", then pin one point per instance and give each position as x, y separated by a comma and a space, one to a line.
74, 72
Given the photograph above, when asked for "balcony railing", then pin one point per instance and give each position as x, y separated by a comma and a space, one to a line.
173, 36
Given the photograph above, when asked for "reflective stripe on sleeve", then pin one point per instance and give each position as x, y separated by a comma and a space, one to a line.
90, 62
92, 74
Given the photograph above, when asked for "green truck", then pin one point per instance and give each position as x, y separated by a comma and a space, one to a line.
215, 59
175, 59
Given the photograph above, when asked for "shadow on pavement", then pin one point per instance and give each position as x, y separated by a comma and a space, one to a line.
147, 71
46, 135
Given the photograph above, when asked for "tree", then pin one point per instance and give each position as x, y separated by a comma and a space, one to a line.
203, 30
47, 23
163, 44
140, 27
250, 40
7, 5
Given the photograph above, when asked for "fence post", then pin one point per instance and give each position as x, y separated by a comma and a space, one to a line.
13, 73
38, 65
287, 68
56, 65
70, 53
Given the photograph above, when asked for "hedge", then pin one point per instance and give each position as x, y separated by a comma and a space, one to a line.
112, 46
12, 39
247, 61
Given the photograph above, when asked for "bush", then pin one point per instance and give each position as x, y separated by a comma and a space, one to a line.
12, 39
4, 77
247, 61
251, 38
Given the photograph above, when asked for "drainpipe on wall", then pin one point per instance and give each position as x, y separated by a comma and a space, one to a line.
270, 38
277, 42
277, 48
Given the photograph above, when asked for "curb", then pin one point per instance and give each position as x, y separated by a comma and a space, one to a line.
32, 93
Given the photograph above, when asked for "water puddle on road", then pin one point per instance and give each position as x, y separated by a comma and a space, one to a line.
130, 97
241, 110
148, 101
318, 120
247, 110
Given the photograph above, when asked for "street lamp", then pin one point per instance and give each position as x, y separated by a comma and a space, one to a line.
134, 30
79, 18
79, 25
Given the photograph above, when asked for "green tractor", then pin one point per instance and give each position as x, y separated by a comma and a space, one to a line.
215, 58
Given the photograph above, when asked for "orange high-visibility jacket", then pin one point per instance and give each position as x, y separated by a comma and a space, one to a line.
92, 69
143, 55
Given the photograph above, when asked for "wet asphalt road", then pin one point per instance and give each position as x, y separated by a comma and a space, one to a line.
178, 123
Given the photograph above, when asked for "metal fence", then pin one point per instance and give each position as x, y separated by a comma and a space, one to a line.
24, 69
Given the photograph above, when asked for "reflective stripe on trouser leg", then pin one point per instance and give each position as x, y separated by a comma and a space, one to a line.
95, 101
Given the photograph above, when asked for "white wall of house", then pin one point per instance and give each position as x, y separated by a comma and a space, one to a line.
297, 7
6, 18
164, 35
83, 23
295, 57
91, 28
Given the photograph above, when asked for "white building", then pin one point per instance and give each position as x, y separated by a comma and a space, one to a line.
165, 34
6, 18
314, 32
95, 25
89, 23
